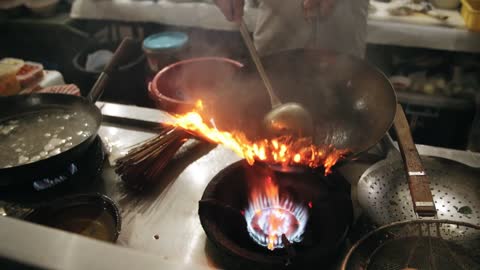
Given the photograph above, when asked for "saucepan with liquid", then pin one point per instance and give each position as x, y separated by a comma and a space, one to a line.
41, 133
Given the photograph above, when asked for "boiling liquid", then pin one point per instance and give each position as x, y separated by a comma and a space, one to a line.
35, 136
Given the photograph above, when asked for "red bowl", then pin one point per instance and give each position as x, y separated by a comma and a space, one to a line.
177, 87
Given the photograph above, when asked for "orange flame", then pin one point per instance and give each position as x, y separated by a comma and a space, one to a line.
284, 151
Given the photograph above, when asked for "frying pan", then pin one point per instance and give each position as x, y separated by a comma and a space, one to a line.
352, 103
40, 103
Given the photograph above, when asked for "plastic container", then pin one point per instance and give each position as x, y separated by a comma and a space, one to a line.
471, 14
162, 49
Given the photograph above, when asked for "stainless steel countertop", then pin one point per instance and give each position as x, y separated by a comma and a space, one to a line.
169, 210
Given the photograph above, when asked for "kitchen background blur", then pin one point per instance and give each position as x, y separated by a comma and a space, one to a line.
428, 49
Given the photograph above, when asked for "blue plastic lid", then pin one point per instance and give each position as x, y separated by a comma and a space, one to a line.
165, 41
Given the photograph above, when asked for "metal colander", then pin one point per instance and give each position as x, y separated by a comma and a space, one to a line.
384, 194
423, 187
417, 244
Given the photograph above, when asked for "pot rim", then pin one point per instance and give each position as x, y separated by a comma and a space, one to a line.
155, 91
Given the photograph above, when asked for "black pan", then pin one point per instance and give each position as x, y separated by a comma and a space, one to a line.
352, 102
16, 106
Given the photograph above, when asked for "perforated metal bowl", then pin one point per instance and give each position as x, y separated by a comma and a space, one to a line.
384, 194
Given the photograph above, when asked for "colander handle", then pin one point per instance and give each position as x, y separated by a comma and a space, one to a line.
417, 178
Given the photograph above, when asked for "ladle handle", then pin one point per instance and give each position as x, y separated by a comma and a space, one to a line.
274, 100
118, 58
417, 178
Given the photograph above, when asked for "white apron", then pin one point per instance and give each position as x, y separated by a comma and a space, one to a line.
281, 26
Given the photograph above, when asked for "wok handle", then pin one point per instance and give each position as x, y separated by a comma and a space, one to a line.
417, 178
118, 57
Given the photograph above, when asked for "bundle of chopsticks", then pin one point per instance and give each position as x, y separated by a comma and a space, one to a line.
144, 162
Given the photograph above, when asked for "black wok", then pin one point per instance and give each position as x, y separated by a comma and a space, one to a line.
15, 106
352, 103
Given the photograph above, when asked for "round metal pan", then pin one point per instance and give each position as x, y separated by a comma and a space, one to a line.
353, 103
15, 106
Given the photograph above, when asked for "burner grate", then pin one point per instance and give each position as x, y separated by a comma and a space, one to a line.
222, 216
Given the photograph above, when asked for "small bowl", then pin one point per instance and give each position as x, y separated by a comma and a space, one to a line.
177, 87
92, 215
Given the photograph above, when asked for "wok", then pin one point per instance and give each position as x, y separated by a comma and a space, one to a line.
352, 103
15, 106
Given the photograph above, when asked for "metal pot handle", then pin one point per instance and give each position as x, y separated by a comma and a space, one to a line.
118, 57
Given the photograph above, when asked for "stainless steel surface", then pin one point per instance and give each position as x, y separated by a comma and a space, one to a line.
170, 211
47, 248
167, 212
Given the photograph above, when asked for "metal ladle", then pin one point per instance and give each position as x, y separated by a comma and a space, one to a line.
289, 118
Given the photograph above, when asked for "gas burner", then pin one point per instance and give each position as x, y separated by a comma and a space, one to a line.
263, 218
274, 221
51, 181
74, 177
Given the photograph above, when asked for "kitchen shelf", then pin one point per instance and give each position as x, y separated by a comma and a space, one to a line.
413, 31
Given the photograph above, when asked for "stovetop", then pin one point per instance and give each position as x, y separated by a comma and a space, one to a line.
163, 221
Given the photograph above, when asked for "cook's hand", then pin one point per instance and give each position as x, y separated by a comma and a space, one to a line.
314, 8
232, 9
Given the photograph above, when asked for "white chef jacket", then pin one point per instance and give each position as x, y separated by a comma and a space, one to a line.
281, 25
